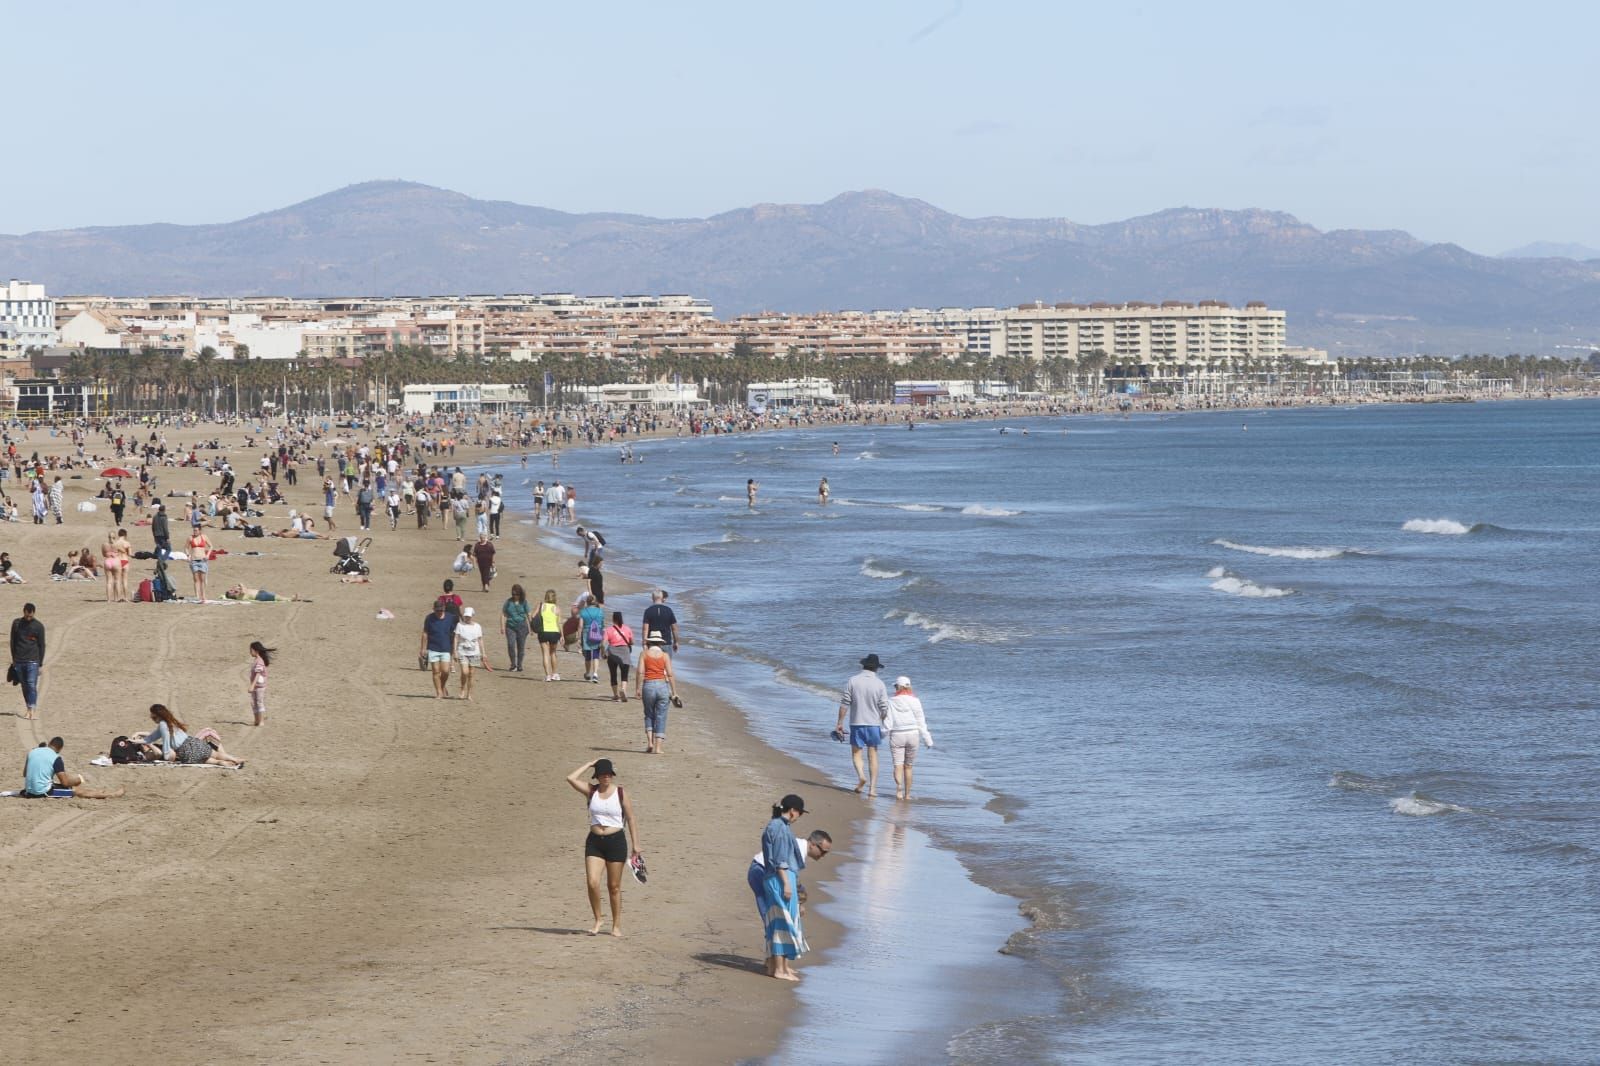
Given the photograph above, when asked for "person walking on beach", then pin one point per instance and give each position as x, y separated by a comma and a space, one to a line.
438, 639
514, 619
468, 649
906, 726
591, 637
119, 501
866, 705
27, 656
658, 617
549, 630
619, 656
606, 851
483, 555
782, 859
260, 659
656, 689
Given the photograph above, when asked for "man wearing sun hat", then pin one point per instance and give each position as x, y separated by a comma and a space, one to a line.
866, 705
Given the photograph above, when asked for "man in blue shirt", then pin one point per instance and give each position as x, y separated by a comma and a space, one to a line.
45, 773
438, 637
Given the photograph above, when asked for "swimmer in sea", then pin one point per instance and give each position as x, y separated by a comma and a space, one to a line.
750, 488
835, 447
822, 492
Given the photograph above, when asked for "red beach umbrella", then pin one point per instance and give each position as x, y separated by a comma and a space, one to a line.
116, 471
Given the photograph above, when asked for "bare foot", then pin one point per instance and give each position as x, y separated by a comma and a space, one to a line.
615, 931
859, 786
787, 976
597, 927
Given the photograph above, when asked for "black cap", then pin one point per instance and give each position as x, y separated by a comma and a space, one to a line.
791, 802
603, 766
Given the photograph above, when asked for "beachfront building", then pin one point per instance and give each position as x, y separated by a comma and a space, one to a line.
659, 394
1165, 342
926, 393
48, 398
25, 306
463, 398
793, 392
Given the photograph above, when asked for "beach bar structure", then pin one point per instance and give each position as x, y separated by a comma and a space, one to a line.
651, 394
449, 399
791, 392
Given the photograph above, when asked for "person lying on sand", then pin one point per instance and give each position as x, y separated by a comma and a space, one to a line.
240, 592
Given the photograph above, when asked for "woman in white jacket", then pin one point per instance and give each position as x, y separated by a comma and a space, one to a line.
905, 727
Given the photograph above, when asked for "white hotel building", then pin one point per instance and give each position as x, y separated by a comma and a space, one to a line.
25, 306
1166, 337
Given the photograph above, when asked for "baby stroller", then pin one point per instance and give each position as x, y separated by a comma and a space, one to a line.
349, 553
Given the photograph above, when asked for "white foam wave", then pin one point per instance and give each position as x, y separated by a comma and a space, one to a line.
917, 507
868, 570
1417, 805
939, 632
988, 512
1442, 526
866, 455
1284, 553
730, 499
1234, 585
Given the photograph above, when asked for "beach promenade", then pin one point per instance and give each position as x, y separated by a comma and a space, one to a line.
391, 878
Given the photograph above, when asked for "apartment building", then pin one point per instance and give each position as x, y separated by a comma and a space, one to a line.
25, 306
1131, 334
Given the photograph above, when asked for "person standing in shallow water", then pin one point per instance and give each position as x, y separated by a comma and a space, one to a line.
782, 859
866, 705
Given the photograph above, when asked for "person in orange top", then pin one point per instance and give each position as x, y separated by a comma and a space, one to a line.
655, 686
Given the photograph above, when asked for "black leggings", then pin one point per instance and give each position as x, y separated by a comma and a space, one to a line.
617, 666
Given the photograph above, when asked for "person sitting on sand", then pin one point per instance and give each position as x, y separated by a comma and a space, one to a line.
169, 741
45, 774
8, 575
240, 592
82, 565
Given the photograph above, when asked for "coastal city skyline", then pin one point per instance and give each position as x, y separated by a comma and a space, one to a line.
1450, 131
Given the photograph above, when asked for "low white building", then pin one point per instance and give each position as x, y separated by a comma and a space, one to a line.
653, 394
25, 305
793, 392
449, 399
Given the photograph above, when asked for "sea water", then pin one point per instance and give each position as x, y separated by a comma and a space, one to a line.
1280, 727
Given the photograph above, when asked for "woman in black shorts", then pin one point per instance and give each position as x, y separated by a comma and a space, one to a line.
547, 623
605, 851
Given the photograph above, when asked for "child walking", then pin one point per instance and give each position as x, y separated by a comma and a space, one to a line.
260, 659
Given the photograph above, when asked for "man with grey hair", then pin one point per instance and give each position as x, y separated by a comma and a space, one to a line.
658, 618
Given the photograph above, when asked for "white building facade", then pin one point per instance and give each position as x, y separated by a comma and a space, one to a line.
25, 305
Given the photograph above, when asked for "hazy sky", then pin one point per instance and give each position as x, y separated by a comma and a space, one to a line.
1465, 121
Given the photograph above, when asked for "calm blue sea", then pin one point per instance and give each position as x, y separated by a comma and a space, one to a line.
1281, 725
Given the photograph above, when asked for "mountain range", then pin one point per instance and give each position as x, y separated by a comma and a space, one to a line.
1356, 291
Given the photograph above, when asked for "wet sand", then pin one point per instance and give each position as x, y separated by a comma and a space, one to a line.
391, 877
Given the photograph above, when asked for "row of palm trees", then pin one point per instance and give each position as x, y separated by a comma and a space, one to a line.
164, 380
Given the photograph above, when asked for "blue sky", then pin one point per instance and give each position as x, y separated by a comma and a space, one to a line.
1469, 122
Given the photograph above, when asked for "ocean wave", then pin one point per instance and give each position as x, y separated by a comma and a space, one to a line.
988, 512
1351, 781
1234, 585
917, 507
939, 632
815, 514
1419, 805
869, 570
866, 455
1289, 552
1442, 526
730, 499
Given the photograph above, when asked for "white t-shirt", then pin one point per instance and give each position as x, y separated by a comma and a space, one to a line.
469, 637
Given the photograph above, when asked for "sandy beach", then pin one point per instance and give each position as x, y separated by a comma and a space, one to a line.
391, 877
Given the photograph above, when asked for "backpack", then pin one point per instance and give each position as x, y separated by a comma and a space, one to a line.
145, 593
254, 531
161, 589
595, 633
125, 751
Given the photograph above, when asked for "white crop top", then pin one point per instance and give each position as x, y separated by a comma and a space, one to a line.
606, 811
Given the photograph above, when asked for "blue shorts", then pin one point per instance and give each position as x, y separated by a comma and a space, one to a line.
866, 736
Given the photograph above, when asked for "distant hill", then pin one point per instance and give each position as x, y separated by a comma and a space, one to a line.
1356, 290
1552, 250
